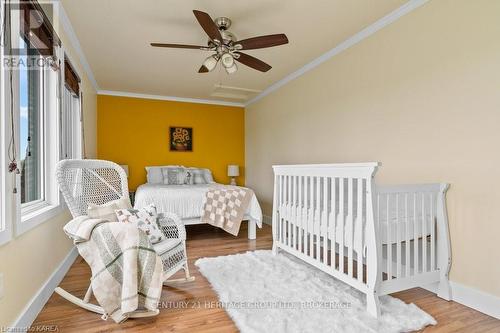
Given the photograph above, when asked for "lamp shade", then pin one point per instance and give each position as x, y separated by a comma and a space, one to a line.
125, 168
233, 170
210, 62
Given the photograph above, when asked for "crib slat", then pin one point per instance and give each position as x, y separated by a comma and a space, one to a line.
301, 216
398, 240
317, 221
424, 235
289, 205
280, 221
407, 237
350, 226
360, 231
291, 217
306, 206
342, 222
389, 238
333, 224
378, 224
295, 208
415, 235
325, 220
311, 216
433, 236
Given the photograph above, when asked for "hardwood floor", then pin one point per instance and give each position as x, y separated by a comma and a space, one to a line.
187, 308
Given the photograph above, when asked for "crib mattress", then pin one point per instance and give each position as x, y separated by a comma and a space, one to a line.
391, 230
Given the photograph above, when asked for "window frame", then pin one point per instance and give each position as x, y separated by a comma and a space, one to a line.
32, 214
72, 146
31, 206
6, 180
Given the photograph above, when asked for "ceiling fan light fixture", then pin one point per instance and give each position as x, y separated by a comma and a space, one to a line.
232, 69
227, 60
211, 62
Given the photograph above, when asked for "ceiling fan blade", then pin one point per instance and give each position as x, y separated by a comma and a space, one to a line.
178, 46
203, 69
208, 25
262, 42
253, 62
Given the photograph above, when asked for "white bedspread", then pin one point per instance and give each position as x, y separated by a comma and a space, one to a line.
185, 200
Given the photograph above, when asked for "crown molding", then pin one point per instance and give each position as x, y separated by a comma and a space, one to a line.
169, 98
353, 40
75, 43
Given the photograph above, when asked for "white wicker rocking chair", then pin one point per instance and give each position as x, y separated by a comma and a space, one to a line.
95, 181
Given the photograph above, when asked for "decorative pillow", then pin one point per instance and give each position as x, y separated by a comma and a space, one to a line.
144, 219
189, 180
154, 174
174, 176
107, 210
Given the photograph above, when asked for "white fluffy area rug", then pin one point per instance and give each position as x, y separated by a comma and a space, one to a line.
266, 293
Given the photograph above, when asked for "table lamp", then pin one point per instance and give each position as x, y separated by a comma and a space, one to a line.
233, 171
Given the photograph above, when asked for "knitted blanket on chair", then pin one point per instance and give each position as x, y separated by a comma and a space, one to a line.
126, 271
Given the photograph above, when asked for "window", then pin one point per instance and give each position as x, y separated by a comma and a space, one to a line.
71, 134
36, 104
31, 132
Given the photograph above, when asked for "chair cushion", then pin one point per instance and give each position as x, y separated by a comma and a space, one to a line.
166, 245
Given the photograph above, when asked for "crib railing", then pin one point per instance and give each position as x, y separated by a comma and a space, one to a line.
321, 214
413, 234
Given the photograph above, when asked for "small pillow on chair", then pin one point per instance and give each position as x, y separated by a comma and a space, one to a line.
144, 219
107, 210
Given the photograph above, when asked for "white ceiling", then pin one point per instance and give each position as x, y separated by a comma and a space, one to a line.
115, 37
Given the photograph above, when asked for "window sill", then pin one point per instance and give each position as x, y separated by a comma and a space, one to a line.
37, 217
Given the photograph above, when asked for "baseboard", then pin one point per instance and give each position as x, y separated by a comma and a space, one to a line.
472, 298
267, 219
36, 304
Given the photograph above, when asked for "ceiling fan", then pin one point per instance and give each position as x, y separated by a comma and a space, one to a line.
226, 46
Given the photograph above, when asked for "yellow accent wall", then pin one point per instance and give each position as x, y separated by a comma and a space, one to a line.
135, 131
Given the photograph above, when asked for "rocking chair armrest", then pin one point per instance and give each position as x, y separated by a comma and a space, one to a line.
171, 226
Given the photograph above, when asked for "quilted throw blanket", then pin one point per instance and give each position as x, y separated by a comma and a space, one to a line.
126, 271
225, 207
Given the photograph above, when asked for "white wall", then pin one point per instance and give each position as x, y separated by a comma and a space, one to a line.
29, 260
422, 96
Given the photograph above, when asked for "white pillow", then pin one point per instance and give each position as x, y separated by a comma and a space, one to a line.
107, 210
154, 174
208, 176
198, 176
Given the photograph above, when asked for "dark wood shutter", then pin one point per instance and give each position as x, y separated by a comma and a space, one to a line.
37, 28
71, 78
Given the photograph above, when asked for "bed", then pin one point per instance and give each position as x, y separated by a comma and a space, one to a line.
187, 201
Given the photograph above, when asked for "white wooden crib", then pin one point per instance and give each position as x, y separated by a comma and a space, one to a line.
386, 238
